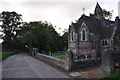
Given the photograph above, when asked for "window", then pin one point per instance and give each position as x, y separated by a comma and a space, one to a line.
104, 42
72, 35
83, 34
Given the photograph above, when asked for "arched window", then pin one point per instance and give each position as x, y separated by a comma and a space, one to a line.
72, 36
83, 34
104, 42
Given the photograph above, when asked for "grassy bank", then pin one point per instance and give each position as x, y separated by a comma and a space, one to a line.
4, 55
113, 76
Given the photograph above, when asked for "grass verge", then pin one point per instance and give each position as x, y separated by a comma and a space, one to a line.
113, 76
4, 55
60, 56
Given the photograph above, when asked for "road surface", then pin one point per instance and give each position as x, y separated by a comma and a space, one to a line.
24, 66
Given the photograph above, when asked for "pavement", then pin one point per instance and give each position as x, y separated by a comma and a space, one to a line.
24, 66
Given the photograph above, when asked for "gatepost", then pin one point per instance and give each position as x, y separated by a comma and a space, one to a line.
108, 62
69, 60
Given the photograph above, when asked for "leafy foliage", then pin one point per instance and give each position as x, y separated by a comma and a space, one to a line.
24, 36
107, 14
43, 36
11, 22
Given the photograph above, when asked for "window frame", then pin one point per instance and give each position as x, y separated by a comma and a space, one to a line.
85, 34
72, 36
104, 43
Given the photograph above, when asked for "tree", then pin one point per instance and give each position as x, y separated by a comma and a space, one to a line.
41, 35
107, 14
65, 39
24, 36
11, 22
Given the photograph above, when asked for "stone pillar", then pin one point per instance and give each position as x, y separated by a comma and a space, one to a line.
108, 62
69, 60
117, 59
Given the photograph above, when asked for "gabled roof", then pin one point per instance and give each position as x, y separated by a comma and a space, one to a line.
98, 8
101, 26
94, 25
108, 28
91, 23
107, 31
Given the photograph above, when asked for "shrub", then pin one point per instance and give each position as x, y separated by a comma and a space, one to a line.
113, 76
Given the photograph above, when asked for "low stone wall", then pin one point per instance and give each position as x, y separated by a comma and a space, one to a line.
51, 60
69, 64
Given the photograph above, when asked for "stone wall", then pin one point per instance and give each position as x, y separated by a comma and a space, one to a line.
85, 48
51, 60
87, 63
69, 63
72, 46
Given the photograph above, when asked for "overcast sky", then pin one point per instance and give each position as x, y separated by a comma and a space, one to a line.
58, 12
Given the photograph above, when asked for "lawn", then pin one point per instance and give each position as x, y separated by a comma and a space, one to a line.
3, 55
60, 56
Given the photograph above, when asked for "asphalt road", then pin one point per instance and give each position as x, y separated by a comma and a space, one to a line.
24, 66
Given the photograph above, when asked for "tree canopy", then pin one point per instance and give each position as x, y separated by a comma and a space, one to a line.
42, 35
11, 22
107, 14
24, 36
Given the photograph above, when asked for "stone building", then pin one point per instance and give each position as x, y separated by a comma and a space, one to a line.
91, 35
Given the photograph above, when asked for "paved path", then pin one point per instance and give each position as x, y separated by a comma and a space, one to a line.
24, 66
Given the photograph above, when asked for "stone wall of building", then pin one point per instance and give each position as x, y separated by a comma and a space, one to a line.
72, 46
85, 48
102, 49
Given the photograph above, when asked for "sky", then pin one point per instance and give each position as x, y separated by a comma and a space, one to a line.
119, 9
60, 13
